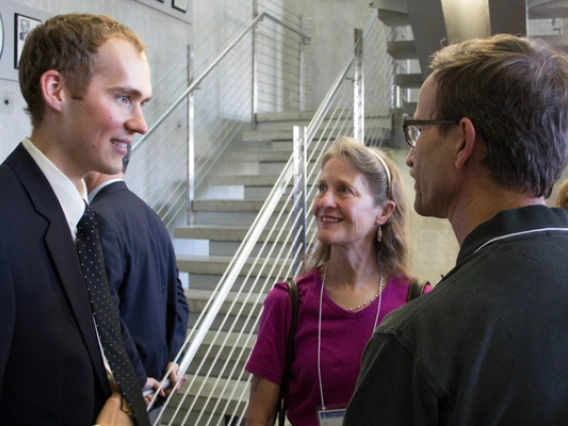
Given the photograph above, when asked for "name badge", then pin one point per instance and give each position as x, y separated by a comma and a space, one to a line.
331, 417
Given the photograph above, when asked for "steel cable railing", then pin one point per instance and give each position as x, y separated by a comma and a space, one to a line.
223, 99
216, 391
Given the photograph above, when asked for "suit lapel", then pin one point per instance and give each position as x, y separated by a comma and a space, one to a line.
62, 251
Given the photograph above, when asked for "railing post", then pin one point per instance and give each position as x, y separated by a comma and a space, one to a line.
254, 66
302, 77
395, 93
359, 89
299, 217
190, 139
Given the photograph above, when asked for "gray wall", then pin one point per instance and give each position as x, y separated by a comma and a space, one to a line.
165, 36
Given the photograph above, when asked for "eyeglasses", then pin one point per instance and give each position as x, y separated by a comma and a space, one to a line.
413, 128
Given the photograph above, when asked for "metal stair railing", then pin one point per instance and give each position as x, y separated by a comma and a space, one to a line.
216, 391
204, 118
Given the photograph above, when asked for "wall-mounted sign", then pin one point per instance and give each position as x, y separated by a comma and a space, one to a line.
16, 21
180, 9
22, 27
180, 5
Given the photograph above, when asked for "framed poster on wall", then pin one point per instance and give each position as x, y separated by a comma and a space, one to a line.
22, 27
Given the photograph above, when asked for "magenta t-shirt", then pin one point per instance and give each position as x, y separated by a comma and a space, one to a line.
344, 335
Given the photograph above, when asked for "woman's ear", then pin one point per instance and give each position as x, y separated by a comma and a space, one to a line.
53, 89
385, 212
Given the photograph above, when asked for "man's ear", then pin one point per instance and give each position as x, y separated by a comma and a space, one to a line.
466, 144
385, 212
53, 89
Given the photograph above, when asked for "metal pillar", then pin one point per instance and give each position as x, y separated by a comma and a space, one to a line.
299, 217
302, 77
190, 138
359, 89
254, 83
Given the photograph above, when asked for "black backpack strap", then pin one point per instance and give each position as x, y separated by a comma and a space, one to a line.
415, 290
284, 386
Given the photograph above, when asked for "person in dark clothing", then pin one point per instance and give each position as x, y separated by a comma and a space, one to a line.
64, 355
488, 345
140, 263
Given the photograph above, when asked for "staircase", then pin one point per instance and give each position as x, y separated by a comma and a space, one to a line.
223, 223
394, 14
402, 49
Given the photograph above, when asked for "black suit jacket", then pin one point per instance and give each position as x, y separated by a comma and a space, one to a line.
51, 367
141, 264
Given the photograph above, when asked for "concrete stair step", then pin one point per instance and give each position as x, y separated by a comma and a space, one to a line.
219, 323
218, 389
209, 282
215, 339
229, 248
390, 5
192, 418
558, 41
402, 49
549, 10
409, 81
216, 265
260, 156
197, 300
394, 19
248, 180
281, 135
234, 206
221, 233
264, 117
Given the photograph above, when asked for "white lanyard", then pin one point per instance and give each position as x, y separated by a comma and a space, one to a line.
532, 231
319, 328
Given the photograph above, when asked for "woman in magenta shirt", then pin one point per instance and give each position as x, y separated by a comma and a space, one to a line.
356, 275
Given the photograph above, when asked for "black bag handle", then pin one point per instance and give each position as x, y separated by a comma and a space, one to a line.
415, 290
284, 386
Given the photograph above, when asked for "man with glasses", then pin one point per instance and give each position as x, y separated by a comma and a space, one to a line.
489, 345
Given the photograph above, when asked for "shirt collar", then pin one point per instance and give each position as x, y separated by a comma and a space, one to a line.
512, 221
95, 191
67, 194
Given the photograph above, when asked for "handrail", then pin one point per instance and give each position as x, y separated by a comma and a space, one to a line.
205, 73
248, 243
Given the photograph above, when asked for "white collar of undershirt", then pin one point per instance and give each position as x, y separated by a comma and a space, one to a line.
67, 194
95, 191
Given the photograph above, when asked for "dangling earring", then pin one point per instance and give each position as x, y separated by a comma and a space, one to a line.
379, 234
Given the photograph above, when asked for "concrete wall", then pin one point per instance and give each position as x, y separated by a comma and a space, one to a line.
166, 38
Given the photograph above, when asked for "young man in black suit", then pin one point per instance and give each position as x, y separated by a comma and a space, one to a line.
85, 79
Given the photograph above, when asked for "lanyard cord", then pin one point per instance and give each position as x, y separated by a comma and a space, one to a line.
532, 231
319, 327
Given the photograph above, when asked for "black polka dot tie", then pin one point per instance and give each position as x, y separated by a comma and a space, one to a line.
106, 319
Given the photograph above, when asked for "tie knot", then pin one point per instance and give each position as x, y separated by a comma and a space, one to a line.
88, 220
